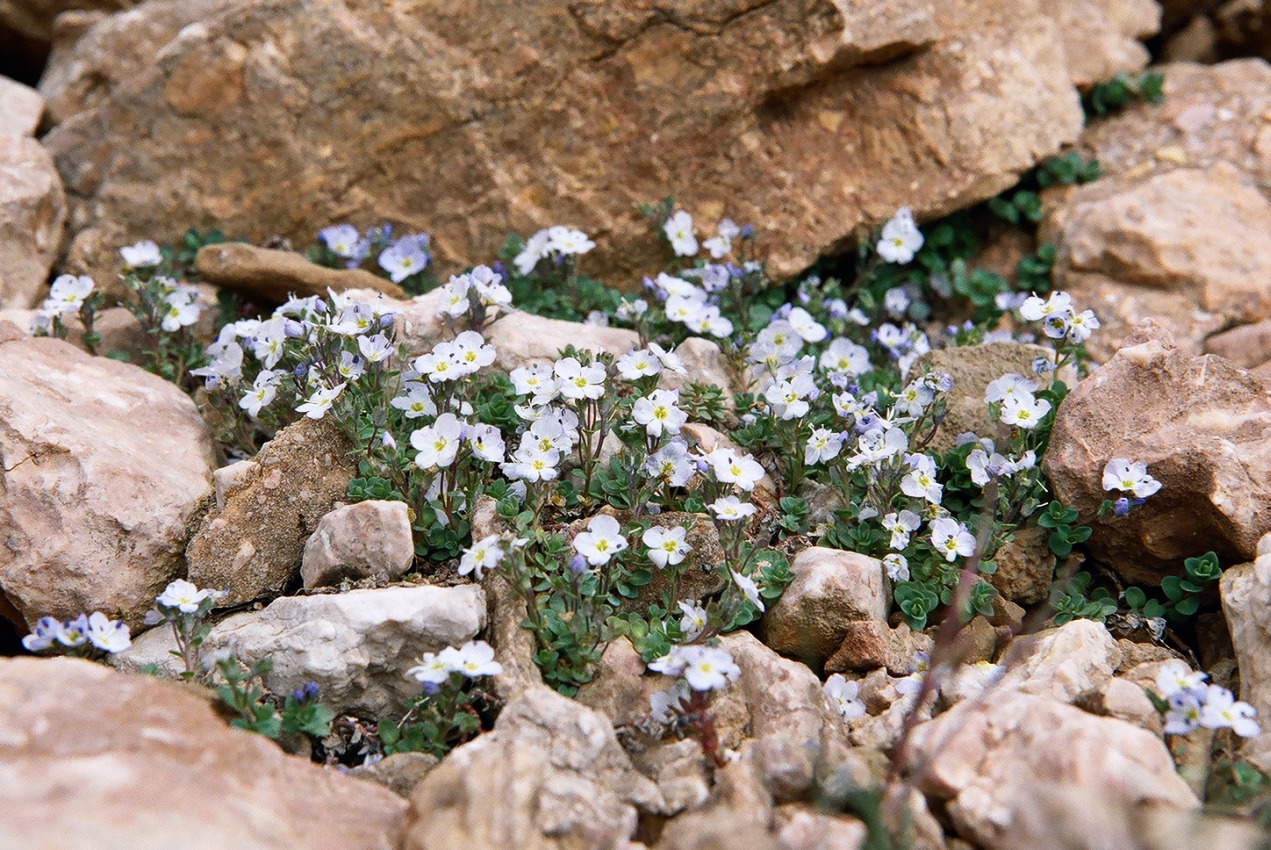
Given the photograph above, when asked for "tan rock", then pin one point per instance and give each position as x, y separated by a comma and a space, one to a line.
370, 539
254, 544
778, 87
870, 644
1247, 346
1191, 247
1246, 600
1125, 699
32, 213
102, 468
356, 646
399, 773
1019, 771
802, 828
830, 589
550, 775
20, 108
277, 275
33, 19
1202, 427
1025, 566
129, 762
1062, 663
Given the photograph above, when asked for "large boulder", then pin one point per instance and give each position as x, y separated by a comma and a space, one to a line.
1019, 772
855, 108
1204, 429
130, 763
32, 213
356, 646
1246, 602
103, 467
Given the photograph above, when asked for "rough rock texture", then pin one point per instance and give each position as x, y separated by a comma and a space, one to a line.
870, 644
357, 646
32, 213
33, 19
1062, 663
102, 468
550, 775
365, 540
20, 108
1246, 602
1019, 771
830, 590
130, 763
973, 368
1247, 346
741, 106
254, 543
1191, 247
277, 275
1025, 566
1202, 426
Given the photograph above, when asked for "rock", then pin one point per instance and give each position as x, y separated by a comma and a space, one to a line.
1247, 346
33, 19
274, 276
1191, 247
102, 468
1210, 114
995, 764
20, 108
1202, 427
356, 646
976, 641
399, 773
679, 770
1025, 566
1246, 601
1125, 699
830, 589
789, 88
1102, 37
134, 762
32, 213
550, 775
973, 368
870, 644
1062, 663
620, 690
254, 544
367, 540
800, 828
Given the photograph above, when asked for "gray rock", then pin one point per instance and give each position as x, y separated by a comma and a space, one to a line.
368, 540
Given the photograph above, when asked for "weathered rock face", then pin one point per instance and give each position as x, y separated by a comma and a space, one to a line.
33, 19
1063, 663
831, 589
1246, 602
357, 646
277, 275
1025, 566
366, 540
102, 468
253, 543
20, 108
32, 213
1190, 247
739, 106
1020, 771
550, 775
1201, 425
134, 762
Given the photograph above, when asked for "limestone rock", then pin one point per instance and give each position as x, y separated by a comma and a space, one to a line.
1202, 427
32, 213
275, 276
366, 540
831, 589
1246, 602
102, 468
652, 99
1191, 247
357, 646
1062, 663
399, 773
254, 544
130, 763
1025, 566
1247, 346
1019, 771
870, 644
550, 775
20, 108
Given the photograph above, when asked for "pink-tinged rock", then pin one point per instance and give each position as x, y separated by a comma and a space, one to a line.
20, 108
32, 213
367, 540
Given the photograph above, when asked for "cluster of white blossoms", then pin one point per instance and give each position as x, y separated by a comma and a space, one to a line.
1012, 397
695, 307
985, 463
704, 668
554, 242
400, 258
901, 239
482, 286
1193, 704
184, 597
846, 697
681, 233
1129, 477
1058, 317
94, 630
472, 661
65, 298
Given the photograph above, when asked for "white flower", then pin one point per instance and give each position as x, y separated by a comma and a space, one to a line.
630, 310
1221, 711
901, 238
730, 509
720, 246
601, 541
107, 634
415, 401
432, 669
637, 364
320, 402
708, 668
184, 596
845, 696
665, 705
691, 624
578, 381
487, 442
667, 546
1035, 309
259, 396
536, 248
1183, 715
845, 356
668, 358
341, 239
659, 413
351, 366
474, 659
439, 365
471, 352
1081, 326
46, 631
1009, 386
490, 288
733, 468
671, 464
141, 255
1176, 678
455, 301
405, 257
375, 348
67, 294
438, 444
1129, 477
73, 631
679, 230
1024, 411
823, 445
951, 539
896, 302
532, 463
671, 664
900, 525
921, 482
748, 588
483, 555
897, 566
808, 328
181, 309
566, 240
